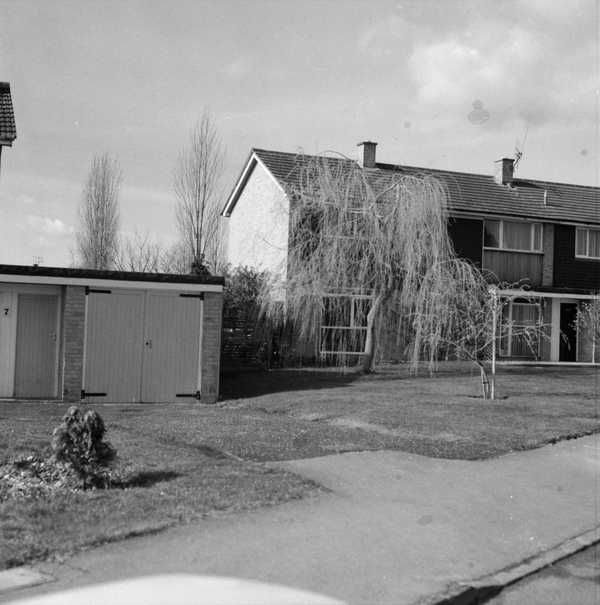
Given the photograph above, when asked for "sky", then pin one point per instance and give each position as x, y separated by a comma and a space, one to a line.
443, 84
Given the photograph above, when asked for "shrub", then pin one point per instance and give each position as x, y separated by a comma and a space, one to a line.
79, 442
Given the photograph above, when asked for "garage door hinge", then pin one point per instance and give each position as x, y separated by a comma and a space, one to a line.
200, 296
84, 394
96, 291
195, 395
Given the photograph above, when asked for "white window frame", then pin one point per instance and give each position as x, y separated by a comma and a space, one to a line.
587, 254
532, 226
350, 327
510, 324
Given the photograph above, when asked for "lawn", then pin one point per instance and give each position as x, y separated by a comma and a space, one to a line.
182, 462
164, 484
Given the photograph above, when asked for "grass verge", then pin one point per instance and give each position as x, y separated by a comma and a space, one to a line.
161, 485
182, 462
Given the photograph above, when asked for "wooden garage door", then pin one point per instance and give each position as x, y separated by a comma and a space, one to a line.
172, 345
114, 345
36, 353
8, 307
142, 346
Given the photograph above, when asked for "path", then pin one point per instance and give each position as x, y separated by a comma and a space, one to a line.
395, 527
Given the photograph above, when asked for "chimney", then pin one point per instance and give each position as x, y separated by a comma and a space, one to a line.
368, 153
504, 171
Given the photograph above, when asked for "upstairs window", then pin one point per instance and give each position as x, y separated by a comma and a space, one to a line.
513, 235
587, 243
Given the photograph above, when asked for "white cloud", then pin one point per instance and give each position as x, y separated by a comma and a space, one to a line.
238, 68
519, 73
46, 226
382, 37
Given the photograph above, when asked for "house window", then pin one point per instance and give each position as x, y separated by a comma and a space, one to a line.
587, 243
513, 235
344, 324
521, 329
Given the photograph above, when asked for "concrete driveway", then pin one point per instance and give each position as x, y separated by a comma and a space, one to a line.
394, 528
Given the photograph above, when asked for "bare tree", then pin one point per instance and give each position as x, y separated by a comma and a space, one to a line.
176, 259
359, 236
197, 186
588, 322
97, 236
462, 316
139, 253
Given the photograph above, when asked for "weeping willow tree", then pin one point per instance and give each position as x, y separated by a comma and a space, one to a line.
361, 243
458, 315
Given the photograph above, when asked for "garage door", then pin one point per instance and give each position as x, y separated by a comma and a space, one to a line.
142, 346
36, 353
172, 347
113, 360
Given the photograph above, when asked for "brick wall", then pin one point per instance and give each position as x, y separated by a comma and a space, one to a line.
211, 346
73, 334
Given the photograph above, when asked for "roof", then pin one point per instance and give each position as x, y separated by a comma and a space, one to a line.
8, 130
467, 192
68, 274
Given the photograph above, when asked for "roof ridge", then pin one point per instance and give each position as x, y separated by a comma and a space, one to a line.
515, 179
391, 166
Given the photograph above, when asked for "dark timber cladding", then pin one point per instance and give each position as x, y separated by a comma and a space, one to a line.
569, 271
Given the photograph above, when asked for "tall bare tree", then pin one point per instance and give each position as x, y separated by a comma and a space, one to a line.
97, 235
197, 185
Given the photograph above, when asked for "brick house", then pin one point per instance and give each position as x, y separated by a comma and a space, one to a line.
109, 336
541, 235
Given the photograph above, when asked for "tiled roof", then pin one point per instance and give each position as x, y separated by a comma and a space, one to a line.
472, 193
8, 130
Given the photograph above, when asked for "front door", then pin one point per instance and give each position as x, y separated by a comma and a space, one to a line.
568, 332
36, 354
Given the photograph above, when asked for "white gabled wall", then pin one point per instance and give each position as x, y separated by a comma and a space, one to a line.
259, 224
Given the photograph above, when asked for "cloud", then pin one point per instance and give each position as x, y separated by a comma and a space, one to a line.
519, 73
47, 226
239, 68
382, 37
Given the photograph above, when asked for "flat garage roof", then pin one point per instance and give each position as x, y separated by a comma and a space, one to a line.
32, 274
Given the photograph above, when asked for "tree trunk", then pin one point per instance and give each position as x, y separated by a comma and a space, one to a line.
368, 357
485, 382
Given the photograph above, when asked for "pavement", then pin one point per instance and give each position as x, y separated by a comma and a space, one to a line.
394, 527
575, 579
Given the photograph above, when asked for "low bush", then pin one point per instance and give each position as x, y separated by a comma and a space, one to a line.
79, 442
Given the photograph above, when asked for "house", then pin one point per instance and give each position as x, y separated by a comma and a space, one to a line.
109, 336
8, 130
540, 235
